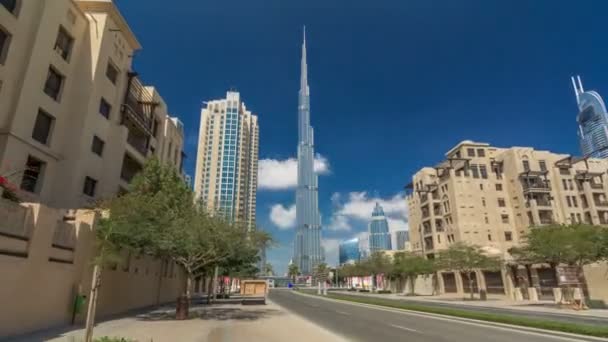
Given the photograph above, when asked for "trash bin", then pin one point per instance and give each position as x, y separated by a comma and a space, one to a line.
181, 309
483, 295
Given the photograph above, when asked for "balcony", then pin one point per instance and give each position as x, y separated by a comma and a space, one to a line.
428, 243
13, 220
425, 212
603, 217
427, 229
138, 114
437, 210
600, 200
546, 217
64, 236
130, 167
439, 225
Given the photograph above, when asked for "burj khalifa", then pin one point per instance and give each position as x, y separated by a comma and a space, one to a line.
308, 252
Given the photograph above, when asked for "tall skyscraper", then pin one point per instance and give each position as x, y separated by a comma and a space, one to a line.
402, 238
349, 251
227, 159
307, 245
592, 121
379, 235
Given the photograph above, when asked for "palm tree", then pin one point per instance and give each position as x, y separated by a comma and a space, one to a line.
293, 272
268, 270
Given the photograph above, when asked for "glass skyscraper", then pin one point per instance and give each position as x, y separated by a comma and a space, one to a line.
379, 235
401, 238
349, 251
227, 159
592, 121
308, 252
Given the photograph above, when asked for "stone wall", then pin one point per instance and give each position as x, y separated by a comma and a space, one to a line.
45, 260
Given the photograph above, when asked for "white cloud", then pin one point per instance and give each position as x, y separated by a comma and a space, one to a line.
276, 174
282, 217
359, 206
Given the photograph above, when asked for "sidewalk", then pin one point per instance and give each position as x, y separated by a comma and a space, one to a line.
216, 323
548, 307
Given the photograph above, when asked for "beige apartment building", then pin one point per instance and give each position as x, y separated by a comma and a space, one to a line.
227, 159
491, 196
76, 122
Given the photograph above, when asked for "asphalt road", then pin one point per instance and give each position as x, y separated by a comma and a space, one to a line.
363, 323
590, 320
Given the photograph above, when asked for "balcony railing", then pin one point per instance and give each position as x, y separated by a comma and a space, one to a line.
594, 185
138, 106
601, 203
536, 187
139, 143
543, 203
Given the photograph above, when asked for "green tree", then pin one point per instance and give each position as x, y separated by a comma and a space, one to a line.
293, 271
157, 198
573, 245
466, 259
378, 263
268, 269
321, 273
410, 266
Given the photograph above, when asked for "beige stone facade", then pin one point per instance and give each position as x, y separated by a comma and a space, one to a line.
45, 260
227, 159
76, 122
490, 197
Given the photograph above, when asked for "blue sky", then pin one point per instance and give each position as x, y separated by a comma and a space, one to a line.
394, 85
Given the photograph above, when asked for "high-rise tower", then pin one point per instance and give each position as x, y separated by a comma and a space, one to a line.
307, 245
592, 121
379, 235
227, 159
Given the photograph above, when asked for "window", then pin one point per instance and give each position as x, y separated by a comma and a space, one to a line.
53, 84
42, 127
475, 171
10, 5
501, 202
483, 171
526, 165
481, 152
471, 152
574, 202
483, 201
568, 201
155, 128
498, 187
89, 186
571, 184
572, 218
105, 108
112, 73
487, 220
64, 43
564, 171
578, 218
5, 40
32, 175
565, 184
489, 237
508, 236
504, 218
543, 165
480, 186
97, 145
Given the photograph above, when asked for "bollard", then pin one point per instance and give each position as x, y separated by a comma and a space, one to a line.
181, 310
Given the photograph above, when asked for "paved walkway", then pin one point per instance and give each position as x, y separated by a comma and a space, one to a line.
217, 323
548, 307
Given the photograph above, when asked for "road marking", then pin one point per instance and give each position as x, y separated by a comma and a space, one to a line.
404, 328
564, 336
343, 313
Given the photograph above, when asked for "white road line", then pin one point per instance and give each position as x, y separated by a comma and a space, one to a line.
558, 335
404, 328
343, 313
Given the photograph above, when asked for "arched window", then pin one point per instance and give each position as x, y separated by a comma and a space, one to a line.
10, 5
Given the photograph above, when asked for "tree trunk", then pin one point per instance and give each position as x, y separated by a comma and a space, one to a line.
209, 290
412, 285
215, 282
188, 285
470, 285
92, 303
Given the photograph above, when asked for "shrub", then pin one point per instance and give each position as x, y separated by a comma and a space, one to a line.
114, 339
384, 291
363, 290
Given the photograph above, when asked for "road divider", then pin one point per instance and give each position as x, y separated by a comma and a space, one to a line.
565, 327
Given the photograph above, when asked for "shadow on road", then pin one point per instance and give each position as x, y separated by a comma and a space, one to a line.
214, 313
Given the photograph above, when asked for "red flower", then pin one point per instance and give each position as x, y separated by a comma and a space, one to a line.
3, 181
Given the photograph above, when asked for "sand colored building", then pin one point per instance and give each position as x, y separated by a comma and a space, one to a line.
491, 196
227, 159
76, 122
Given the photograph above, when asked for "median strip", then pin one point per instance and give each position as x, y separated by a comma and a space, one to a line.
581, 329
